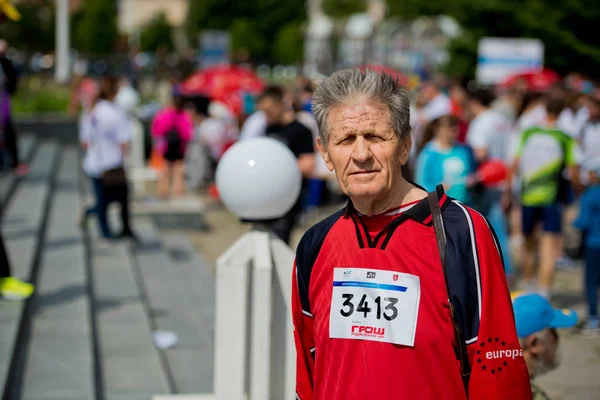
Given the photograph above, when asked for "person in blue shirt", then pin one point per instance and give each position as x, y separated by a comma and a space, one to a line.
588, 222
442, 160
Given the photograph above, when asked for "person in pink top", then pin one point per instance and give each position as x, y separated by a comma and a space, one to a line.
172, 129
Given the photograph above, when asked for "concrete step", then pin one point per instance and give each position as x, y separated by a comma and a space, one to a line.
180, 292
22, 228
130, 364
60, 335
7, 179
185, 212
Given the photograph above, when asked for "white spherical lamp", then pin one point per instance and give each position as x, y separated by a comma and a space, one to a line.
258, 179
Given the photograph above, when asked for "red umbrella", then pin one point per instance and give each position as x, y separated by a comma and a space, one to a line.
226, 83
539, 80
400, 78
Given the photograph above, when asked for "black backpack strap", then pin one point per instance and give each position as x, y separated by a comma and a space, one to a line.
440, 235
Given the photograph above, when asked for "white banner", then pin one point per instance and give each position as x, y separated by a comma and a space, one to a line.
498, 58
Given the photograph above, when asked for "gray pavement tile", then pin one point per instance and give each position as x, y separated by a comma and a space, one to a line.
130, 362
180, 291
59, 360
23, 213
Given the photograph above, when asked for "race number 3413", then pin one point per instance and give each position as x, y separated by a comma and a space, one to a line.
374, 304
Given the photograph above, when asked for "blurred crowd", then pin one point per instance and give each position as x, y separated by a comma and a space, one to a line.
526, 157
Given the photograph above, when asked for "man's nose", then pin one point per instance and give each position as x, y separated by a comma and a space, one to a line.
361, 152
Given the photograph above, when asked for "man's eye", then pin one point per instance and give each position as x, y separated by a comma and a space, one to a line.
372, 137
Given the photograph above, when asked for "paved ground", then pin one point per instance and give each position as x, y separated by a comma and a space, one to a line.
577, 378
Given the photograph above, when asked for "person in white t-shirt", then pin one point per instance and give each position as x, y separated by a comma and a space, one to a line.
590, 140
488, 135
574, 117
489, 129
438, 104
104, 135
254, 126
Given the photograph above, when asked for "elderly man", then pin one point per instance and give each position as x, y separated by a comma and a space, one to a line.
537, 322
382, 310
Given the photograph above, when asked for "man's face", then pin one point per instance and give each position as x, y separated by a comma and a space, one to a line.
544, 354
458, 94
363, 149
273, 110
428, 92
473, 106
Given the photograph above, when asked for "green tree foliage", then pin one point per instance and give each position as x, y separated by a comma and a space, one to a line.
343, 8
566, 28
35, 30
289, 43
244, 35
411, 9
260, 20
158, 32
94, 27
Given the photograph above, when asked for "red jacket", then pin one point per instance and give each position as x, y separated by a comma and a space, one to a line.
345, 353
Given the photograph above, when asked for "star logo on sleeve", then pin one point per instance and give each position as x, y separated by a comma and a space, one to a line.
497, 356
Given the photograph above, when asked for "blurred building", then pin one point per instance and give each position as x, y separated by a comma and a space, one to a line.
74, 5
133, 14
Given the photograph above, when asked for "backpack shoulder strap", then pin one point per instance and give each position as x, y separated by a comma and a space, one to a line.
440, 235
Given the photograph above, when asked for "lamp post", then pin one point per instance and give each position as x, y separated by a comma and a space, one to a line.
63, 62
258, 180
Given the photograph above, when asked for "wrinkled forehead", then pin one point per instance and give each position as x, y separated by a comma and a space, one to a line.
359, 115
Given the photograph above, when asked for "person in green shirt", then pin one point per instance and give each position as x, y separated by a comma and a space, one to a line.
543, 155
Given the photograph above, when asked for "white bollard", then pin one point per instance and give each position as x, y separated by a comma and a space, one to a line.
262, 303
230, 319
266, 257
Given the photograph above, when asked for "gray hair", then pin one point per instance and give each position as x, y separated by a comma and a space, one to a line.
347, 83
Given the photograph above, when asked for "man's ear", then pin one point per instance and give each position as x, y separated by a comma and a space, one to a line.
406, 146
324, 154
534, 345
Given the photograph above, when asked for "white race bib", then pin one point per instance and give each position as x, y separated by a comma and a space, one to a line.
374, 304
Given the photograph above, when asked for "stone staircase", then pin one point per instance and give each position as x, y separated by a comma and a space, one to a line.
86, 333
